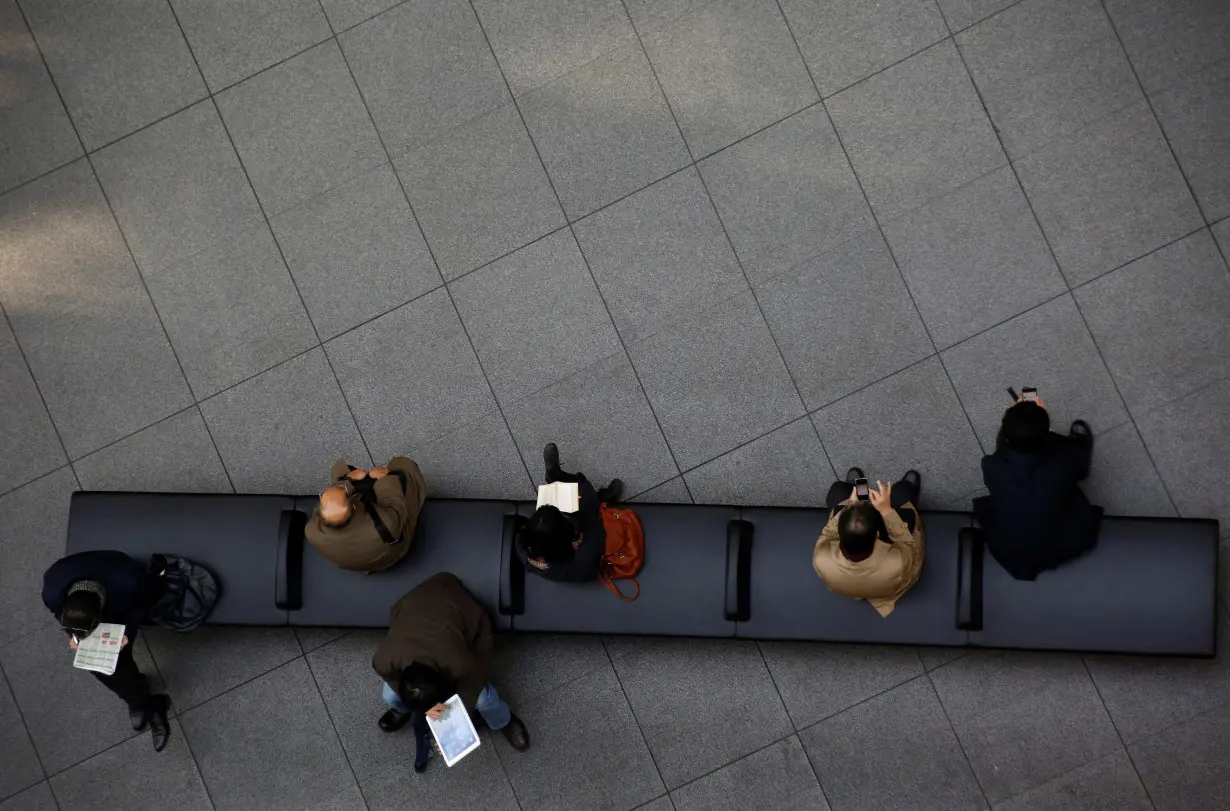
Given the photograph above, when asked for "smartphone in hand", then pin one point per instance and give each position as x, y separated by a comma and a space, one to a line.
1030, 394
861, 490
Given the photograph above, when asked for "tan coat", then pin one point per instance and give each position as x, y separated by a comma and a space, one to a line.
439, 624
357, 544
883, 577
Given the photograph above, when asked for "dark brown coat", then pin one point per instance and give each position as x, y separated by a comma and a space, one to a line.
439, 624
357, 545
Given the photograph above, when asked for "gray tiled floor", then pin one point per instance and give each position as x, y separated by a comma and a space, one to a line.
722, 249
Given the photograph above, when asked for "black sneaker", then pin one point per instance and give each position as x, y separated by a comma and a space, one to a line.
550, 458
612, 493
854, 473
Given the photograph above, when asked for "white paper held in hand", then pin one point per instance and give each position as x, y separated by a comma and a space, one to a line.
454, 732
564, 496
100, 650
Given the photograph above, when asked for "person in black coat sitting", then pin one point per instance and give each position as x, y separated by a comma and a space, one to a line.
567, 546
89, 588
1036, 517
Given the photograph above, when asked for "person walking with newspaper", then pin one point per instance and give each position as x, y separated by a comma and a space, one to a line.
91, 588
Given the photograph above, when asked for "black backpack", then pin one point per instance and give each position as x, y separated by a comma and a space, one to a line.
187, 592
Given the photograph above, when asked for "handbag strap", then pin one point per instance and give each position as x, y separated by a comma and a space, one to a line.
610, 584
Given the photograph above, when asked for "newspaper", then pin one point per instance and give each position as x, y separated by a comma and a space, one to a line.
564, 496
100, 650
454, 732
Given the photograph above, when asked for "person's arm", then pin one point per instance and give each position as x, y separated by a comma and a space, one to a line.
828, 537
904, 542
391, 501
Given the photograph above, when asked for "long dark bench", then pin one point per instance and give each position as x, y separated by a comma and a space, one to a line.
1150, 586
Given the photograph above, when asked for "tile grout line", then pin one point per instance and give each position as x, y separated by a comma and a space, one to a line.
1119, 735
973, 772
790, 717
329, 713
4, 682
632, 710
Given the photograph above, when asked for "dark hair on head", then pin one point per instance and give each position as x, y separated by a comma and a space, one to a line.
1025, 427
548, 535
857, 529
81, 611
422, 687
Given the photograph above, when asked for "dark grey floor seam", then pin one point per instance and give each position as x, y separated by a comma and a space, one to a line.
973, 772
1098, 691
29, 737
329, 713
631, 709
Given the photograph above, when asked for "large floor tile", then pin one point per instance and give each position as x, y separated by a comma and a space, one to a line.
1221, 234
1168, 41
418, 356
231, 311
849, 40
1048, 348
1160, 322
649, 15
1107, 784
1023, 719
721, 686
663, 803
28, 440
480, 192
1190, 441
21, 765
535, 317
596, 153
844, 319
786, 194
479, 781
280, 431
1123, 478
247, 764
586, 749
33, 523
777, 777
536, 41
70, 715
423, 69
348, 799
602, 424
785, 467
818, 681
36, 134
1185, 767
916, 131
1108, 194
1045, 68
300, 128
729, 68
345, 14
895, 752
35, 798
716, 381
974, 258
673, 491
1195, 115
964, 13
312, 638
77, 305
134, 776
665, 238
210, 661
448, 462
118, 67
175, 455
233, 39
910, 420
528, 666
356, 251
351, 692
177, 187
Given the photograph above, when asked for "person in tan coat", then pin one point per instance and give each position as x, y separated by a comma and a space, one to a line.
440, 643
872, 550
366, 519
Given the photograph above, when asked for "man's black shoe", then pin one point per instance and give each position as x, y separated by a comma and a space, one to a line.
393, 720
854, 473
1080, 428
915, 479
516, 734
550, 458
612, 493
139, 719
159, 727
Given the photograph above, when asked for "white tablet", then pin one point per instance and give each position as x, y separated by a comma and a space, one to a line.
454, 732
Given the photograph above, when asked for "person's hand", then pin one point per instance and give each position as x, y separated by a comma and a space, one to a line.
853, 499
357, 474
436, 712
1037, 400
378, 472
73, 643
124, 642
881, 497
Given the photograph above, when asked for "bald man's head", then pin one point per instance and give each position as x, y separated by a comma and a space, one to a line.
335, 507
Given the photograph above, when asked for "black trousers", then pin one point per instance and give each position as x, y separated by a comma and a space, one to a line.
128, 682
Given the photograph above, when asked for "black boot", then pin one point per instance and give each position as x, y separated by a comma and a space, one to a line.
516, 734
612, 493
550, 459
393, 720
159, 727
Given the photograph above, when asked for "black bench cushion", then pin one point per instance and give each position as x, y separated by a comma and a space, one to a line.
789, 601
453, 535
235, 537
683, 582
1149, 586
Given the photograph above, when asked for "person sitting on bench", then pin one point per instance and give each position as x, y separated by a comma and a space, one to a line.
440, 643
366, 519
567, 546
872, 547
89, 588
1035, 516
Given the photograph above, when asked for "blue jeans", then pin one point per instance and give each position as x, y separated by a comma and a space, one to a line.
490, 706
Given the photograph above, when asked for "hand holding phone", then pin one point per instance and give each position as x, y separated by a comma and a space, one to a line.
861, 491
1030, 394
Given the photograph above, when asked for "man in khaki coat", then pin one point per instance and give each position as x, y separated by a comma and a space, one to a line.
868, 550
366, 519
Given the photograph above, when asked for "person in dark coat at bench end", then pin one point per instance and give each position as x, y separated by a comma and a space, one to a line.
440, 643
1036, 517
567, 546
89, 588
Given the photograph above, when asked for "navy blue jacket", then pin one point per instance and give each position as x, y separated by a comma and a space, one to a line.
128, 594
587, 561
